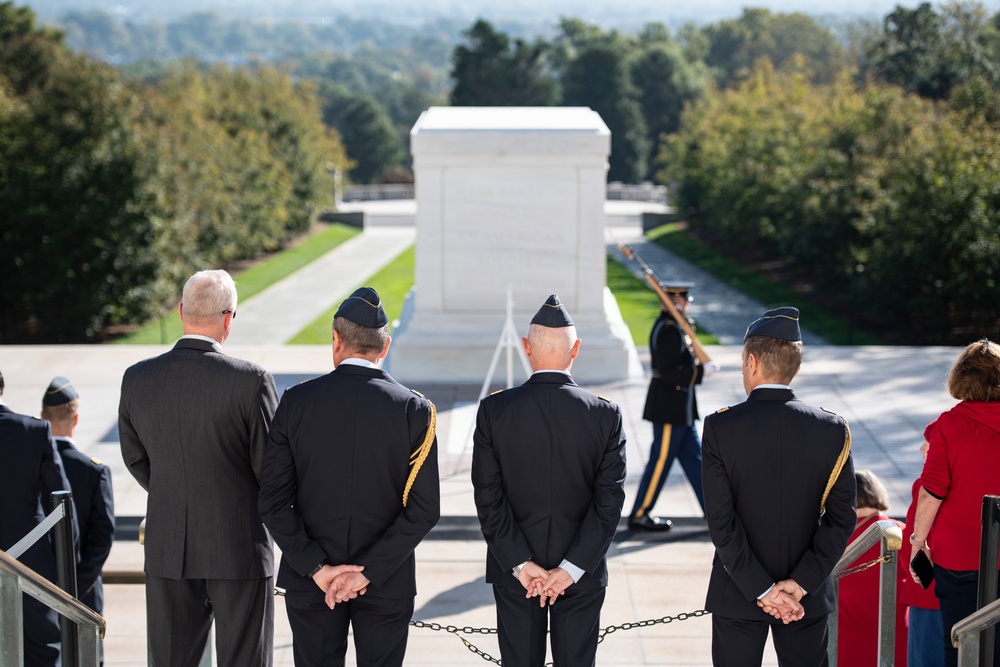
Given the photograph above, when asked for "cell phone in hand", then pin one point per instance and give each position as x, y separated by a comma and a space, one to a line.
923, 568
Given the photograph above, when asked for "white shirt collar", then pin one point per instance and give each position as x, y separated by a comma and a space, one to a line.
552, 370
772, 386
356, 361
207, 339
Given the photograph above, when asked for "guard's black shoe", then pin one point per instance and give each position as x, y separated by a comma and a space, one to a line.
652, 523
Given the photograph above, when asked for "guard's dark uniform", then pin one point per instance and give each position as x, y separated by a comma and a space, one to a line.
548, 470
90, 482
31, 471
672, 406
767, 464
336, 467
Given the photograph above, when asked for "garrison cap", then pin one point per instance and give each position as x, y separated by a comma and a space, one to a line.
781, 323
60, 391
552, 314
364, 307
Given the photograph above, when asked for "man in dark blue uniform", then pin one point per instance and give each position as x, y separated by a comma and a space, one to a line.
672, 406
548, 470
32, 470
779, 498
90, 482
349, 489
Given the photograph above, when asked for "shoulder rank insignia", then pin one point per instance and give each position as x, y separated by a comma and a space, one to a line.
606, 400
96, 461
494, 393
417, 393
828, 411
721, 410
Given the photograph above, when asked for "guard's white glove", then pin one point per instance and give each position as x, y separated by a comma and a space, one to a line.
711, 368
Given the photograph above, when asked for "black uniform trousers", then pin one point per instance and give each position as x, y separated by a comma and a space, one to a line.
737, 642
185, 608
381, 627
522, 625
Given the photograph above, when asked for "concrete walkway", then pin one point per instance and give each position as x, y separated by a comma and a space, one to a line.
722, 310
275, 315
887, 394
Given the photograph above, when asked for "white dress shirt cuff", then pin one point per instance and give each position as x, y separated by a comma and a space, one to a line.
573, 570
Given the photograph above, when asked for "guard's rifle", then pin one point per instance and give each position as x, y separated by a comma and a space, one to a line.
667, 302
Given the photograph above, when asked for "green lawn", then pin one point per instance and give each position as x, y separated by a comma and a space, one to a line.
253, 280
821, 322
639, 304
392, 283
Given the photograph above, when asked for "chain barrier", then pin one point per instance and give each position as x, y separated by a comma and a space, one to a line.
861, 568
457, 631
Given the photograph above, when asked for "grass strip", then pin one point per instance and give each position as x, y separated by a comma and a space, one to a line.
392, 284
252, 281
818, 320
639, 305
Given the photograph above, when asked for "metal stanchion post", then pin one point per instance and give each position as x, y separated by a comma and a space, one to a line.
64, 533
988, 549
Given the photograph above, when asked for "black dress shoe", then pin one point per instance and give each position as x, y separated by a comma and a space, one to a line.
652, 523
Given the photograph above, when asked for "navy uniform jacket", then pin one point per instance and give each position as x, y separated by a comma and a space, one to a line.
671, 397
193, 426
90, 482
31, 471
765, 465
548, 469
334, 473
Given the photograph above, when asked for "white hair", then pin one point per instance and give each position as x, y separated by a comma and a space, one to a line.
207, 294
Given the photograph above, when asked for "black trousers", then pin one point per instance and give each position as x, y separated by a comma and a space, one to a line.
740, 643
42, 639
319, 634
522, 625
179, 615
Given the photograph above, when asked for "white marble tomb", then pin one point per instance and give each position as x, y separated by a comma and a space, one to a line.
507, 196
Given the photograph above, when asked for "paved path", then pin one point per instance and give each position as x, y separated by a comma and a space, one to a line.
721, 309
273, 316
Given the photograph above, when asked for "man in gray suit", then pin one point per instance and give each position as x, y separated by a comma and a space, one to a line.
193, 424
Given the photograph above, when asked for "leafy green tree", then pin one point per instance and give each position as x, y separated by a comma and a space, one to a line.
923, 51
599, 78
665, 82
76, 215
369, 138
735, 45
491, 70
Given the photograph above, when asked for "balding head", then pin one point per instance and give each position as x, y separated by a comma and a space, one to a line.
551, 348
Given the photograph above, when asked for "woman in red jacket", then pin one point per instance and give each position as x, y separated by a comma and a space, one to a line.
924, 642
858, 598
961, 467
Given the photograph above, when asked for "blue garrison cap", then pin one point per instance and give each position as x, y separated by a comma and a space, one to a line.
60, 391
781, 323
552, 314
364, 307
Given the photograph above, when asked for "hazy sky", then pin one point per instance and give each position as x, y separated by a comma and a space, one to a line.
621, 13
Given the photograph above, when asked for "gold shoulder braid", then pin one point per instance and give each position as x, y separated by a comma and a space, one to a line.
419, 455
838, 466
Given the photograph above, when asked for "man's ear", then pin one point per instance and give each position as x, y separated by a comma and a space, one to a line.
576, 349
526, 345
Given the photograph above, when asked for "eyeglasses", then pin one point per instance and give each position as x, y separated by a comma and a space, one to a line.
226, 312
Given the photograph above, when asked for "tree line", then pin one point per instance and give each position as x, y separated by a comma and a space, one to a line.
113, 191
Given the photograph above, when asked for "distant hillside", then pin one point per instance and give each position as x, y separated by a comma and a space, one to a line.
630, 14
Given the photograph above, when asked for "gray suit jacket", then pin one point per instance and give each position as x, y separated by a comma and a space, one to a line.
193, 424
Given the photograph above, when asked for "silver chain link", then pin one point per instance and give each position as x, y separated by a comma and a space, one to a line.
457, 631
